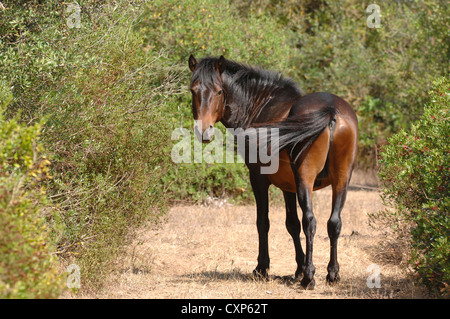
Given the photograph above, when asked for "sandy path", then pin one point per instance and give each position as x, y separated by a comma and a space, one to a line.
210, 252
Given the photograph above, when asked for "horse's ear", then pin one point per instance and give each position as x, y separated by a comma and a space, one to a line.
221, 64
192, 63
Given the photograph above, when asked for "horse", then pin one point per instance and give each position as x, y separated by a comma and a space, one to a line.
319, 131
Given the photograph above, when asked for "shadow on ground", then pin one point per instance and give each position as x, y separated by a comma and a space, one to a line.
356, 287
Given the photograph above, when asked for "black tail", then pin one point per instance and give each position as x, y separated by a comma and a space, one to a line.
296, 133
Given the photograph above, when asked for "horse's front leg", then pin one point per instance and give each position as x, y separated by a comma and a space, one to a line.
260, 186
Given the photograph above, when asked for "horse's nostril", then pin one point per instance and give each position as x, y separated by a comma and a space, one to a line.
209, 133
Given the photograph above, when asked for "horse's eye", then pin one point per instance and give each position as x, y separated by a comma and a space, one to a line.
219, 93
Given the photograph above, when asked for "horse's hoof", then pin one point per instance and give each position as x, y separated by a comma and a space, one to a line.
260, 273
333, 278
308, 285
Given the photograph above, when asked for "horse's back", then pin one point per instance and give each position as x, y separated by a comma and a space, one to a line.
315, 101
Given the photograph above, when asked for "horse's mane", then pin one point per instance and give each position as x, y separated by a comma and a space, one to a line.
250, 90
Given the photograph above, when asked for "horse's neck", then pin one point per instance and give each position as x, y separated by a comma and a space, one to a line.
247, 105
265, 108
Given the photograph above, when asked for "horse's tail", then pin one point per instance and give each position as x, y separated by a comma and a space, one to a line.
297, 132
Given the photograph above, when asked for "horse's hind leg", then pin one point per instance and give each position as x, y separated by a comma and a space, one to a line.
334, 229
341, 160
309, 227
305, 173
293, 227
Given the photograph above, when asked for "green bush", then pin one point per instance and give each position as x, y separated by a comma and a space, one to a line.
107, 134
28, 266
103, 95
415, 178
200, 28
202, 180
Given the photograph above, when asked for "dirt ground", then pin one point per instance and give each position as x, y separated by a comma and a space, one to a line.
211, 251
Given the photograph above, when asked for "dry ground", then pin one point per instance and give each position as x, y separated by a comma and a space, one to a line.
210, 252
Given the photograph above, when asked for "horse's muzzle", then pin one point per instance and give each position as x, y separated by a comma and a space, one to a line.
206, 136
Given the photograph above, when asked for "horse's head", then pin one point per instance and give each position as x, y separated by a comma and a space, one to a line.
207, 95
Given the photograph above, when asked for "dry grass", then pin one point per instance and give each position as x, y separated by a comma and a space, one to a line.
210, 252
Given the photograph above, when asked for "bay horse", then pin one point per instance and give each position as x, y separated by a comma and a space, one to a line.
319, 131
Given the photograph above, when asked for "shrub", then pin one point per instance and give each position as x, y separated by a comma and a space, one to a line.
200, 28
415, 177
202, 180
28, 266
107, 134
103, 95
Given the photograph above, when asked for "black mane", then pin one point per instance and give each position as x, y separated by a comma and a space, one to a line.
252, 94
